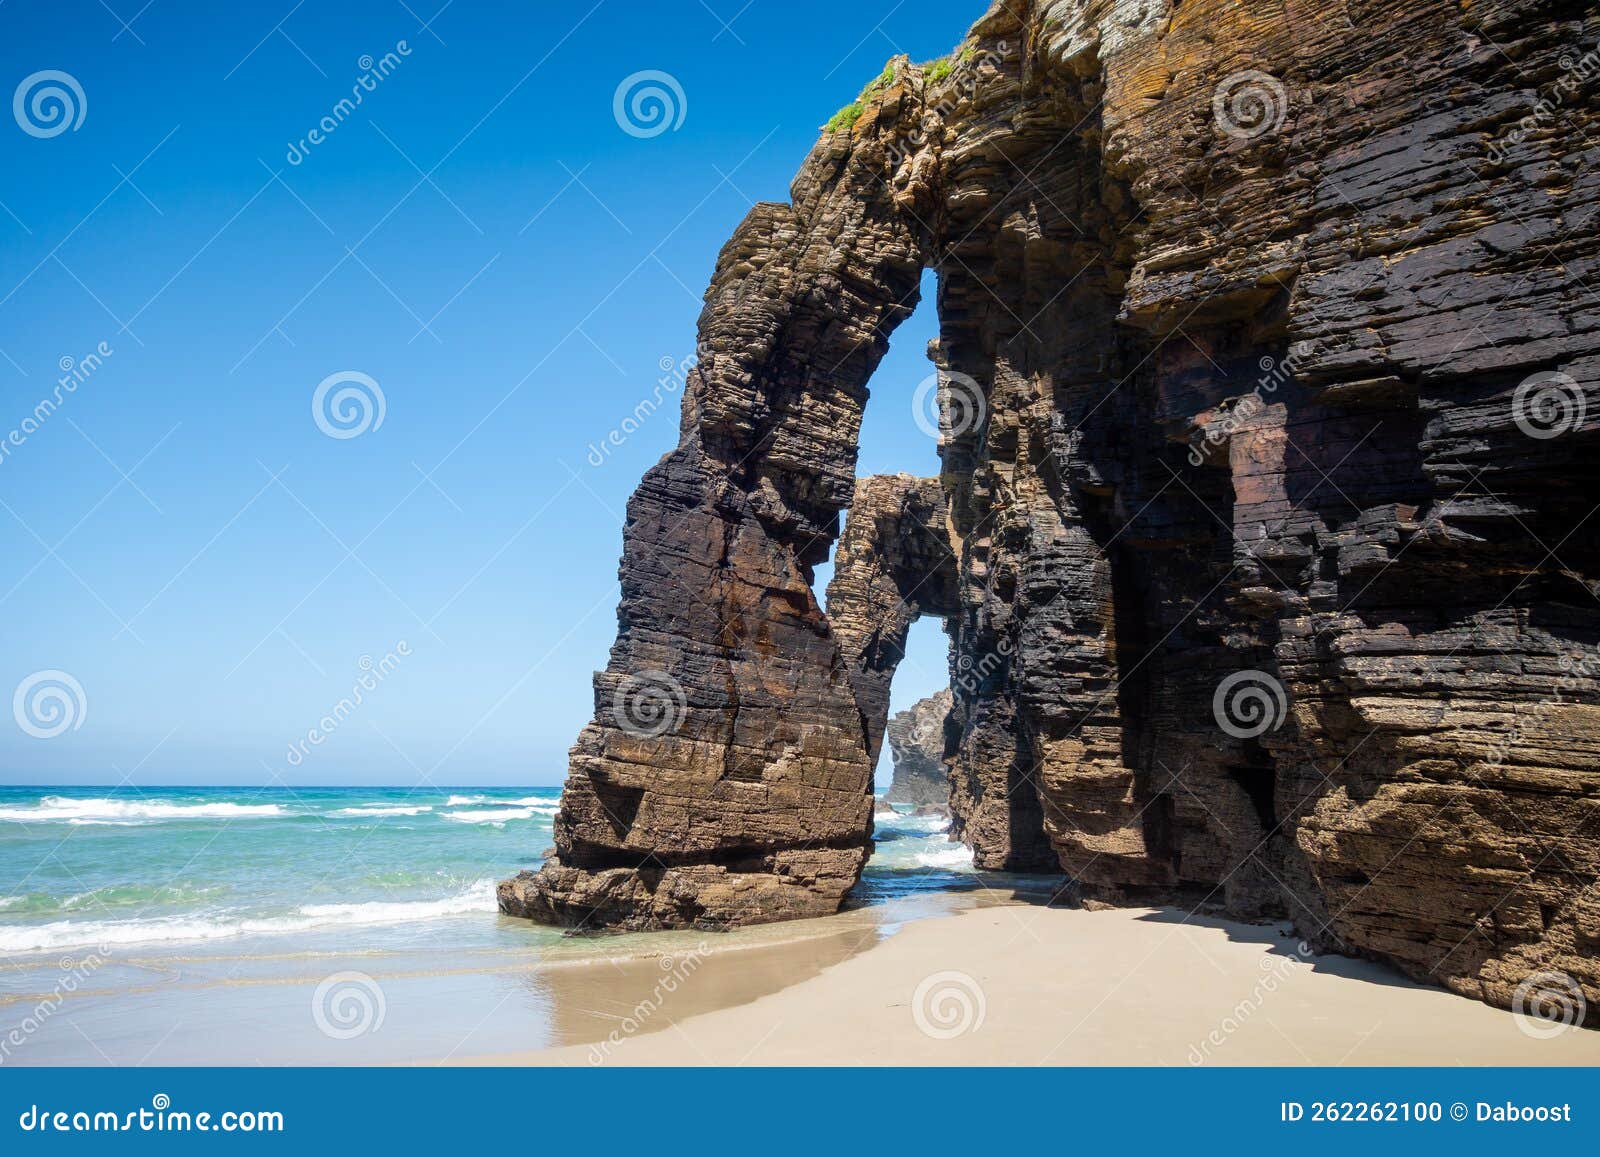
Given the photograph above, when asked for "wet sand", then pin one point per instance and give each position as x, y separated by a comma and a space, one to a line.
1028, 985
322, 1002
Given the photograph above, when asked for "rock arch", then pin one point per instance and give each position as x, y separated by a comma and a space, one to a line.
896, 562
1249, 401
726, 776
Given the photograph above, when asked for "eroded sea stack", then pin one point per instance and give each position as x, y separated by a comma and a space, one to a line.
1265, 531
916, 740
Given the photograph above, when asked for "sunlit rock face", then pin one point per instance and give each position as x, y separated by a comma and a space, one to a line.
916, 741
1269, 454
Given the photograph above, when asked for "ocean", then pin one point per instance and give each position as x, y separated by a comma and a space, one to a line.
211, 915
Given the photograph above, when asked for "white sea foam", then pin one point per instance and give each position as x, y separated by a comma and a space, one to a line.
542, 802
497, 816
959, 856
379, 810
480, 897
58, 809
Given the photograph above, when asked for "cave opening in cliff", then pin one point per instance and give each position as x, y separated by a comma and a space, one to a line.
888, 591
891, 573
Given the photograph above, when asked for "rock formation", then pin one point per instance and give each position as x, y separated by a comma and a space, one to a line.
895, 563
916, 742
1269, 343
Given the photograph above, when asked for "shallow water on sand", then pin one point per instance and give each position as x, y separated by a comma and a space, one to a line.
358, 925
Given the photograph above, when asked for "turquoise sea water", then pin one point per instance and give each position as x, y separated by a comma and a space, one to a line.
227, 925
88, 867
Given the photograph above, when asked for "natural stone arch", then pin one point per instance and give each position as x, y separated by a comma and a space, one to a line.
726, 776
896, 562
1239, 424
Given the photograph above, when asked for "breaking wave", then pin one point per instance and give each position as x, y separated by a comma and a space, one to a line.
60, 809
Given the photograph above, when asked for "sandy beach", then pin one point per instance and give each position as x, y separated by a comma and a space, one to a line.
404, 960
1028, 985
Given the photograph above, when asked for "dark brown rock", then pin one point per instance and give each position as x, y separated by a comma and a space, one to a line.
895, 563
1269, 469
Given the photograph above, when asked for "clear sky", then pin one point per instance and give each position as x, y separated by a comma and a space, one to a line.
479, 237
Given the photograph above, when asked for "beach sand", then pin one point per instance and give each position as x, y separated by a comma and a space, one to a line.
1027, 985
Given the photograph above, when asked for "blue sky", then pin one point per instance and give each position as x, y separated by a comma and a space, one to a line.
482, 240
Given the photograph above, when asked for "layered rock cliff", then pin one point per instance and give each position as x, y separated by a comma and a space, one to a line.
1269, 342
916, 741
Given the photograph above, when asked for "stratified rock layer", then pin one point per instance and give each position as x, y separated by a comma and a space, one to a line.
1270, 343
895, 563
916, 742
